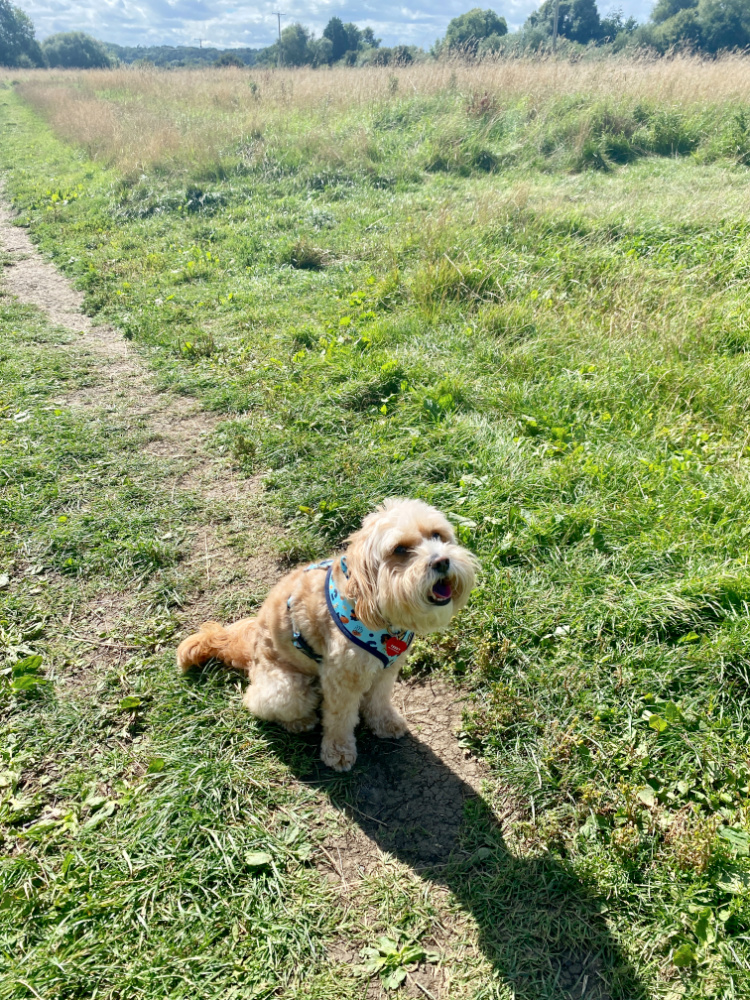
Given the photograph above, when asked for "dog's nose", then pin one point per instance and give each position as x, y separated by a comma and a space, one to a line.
441, 565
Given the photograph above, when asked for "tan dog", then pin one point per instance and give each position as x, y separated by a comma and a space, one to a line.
338, 632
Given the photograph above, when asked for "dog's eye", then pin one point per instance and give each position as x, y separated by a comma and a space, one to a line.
401, 550
436, 535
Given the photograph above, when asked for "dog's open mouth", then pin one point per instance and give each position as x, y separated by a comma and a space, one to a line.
441, 593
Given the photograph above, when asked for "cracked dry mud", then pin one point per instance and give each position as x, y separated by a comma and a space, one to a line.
405, 799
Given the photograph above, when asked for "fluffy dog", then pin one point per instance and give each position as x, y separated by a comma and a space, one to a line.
335, 634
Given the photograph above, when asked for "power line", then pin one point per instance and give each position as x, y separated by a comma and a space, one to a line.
279, 14
554, 30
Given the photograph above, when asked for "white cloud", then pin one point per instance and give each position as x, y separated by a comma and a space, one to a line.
226, 23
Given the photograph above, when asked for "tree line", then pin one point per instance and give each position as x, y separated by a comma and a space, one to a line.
19, 47
708, 26
702, 25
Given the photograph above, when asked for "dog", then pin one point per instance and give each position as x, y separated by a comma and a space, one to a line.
334, 635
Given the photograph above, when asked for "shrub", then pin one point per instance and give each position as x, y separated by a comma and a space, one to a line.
733, 141
229, 59
75, 50
460, 156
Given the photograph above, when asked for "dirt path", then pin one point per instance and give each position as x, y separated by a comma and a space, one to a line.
178, 432
127, 384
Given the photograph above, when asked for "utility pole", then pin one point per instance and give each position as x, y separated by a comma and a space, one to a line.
279, 14
200, 42
554, 29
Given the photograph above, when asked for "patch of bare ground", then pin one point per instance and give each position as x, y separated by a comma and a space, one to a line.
229, 551
402, 814
411, 794
414, 817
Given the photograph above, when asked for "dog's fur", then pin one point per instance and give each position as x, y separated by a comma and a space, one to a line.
392, 562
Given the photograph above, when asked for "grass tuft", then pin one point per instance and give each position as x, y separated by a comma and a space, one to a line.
305, 257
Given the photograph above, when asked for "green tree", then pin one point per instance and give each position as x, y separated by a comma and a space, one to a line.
381, 56
321, 51
682, 29
578, 20
707, 25
679, 30
725, 24
368, 39
467, 31
18, 46
353, 37
401, 55
490, 44
336, 33
229, 59
295, 39
664, 9
75, 50
614, 25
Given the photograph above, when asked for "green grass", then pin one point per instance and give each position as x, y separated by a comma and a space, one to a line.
559, 361
129, 813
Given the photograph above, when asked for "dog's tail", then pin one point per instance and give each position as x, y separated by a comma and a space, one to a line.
233, 646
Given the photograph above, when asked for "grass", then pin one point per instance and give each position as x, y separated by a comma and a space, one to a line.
387, 128
551, 345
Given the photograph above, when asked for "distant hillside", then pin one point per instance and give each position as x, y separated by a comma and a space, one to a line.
177, 55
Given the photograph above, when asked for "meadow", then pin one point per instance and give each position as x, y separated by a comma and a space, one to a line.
517, 290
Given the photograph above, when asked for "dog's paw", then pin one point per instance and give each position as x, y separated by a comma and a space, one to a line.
303, 725
339, 756
388, 725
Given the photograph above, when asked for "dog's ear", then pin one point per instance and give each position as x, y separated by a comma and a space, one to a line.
362, 585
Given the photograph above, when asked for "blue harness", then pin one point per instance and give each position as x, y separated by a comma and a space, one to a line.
385, 645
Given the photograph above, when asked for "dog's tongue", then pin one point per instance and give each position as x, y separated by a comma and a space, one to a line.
442, 590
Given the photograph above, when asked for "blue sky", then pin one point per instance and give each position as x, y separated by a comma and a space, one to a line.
226, 23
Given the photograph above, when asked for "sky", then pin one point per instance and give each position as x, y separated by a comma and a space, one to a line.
233, 23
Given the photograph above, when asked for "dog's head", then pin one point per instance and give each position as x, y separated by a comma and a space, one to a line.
406, 569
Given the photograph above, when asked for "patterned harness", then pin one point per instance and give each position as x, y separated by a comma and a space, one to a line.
385, 645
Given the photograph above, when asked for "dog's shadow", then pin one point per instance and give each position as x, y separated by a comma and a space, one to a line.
542, 929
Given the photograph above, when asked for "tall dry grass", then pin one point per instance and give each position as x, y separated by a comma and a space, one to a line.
135, 117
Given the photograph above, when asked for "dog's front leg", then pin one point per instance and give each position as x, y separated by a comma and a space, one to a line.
377, 708
341, 699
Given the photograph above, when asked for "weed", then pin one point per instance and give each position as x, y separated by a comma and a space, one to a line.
391, 960
198, 200
470, 282
198, 345
480, 105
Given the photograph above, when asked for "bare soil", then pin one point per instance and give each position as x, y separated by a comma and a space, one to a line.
417, 804
408, 797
